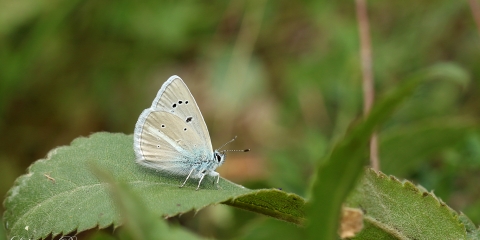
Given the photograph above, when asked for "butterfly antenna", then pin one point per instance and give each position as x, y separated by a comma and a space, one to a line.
227, 143
244, 150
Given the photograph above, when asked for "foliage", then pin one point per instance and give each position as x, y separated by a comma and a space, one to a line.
63, 187
282, 75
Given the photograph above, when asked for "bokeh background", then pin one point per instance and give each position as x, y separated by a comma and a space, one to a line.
283, 76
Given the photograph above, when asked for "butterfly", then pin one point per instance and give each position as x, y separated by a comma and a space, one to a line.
172, 136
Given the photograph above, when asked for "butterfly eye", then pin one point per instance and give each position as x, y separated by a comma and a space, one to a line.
219, 158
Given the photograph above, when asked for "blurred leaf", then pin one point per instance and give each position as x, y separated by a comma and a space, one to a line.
400, 210
60, 194
473, 208
437, 98
101, 235
404, 148
306, 152
338, 175
17, 13
18, 59
3, 234
77, 76
140, 223
270, 229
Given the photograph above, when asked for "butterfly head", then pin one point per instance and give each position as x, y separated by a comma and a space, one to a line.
219, 157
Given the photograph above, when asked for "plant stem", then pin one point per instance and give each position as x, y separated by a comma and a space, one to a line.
366, 61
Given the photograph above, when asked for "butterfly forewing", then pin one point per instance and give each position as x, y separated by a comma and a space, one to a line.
174, 97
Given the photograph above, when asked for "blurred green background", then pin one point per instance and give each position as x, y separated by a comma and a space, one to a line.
282, 75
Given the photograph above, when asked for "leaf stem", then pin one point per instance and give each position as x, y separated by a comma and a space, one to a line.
367, 74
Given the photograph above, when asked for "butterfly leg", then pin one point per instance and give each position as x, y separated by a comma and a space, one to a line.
187, 177
201, 178
215, 174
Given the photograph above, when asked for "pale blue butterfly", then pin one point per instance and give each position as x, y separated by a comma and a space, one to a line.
171, 135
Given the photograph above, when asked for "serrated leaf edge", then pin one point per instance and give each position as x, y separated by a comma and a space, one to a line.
424, 194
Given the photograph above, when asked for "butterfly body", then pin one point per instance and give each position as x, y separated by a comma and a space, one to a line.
172, 136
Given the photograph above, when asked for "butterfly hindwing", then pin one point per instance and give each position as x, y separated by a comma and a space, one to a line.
168, 143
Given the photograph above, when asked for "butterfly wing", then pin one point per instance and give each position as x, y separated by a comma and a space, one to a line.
172, 135
175, 97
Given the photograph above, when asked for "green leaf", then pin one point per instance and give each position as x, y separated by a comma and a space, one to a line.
372, 230
140, 223
266, 228
338, 175
400, 210
60, 194
472, 231
404, 148
275, 203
